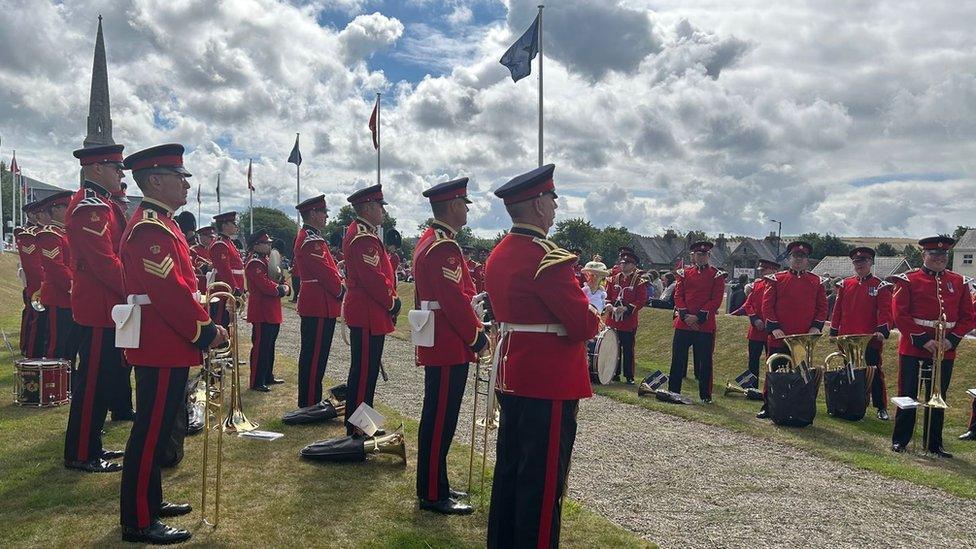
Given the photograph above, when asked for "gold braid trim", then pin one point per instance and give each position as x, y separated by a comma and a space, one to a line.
554, 255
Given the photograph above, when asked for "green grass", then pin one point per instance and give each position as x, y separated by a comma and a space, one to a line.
270, 497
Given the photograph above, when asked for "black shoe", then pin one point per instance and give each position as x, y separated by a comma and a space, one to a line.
941, 452
275, 381
447, 506
157, 534
128, 415
112, 454
882, 414
706, 400
262, 388
763, 414
897, 448
630, 381
168, 509
455, 494
968, 435
94, 466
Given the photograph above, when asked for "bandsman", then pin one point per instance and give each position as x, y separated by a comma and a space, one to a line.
319, 303
296, 272
227, 262
753, 307
970, 433
626, 296
794, 303
175, 328
921, 297
33, 326
546, 321
863, 306
200, 255
444, 289
698, 294
263, 310
62, 331
370, 304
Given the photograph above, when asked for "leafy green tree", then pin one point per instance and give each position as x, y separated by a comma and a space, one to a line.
611, 240
696, 236
577, 233
276, 222
826, 245
345, 216
885, 250
913, 255
956, 234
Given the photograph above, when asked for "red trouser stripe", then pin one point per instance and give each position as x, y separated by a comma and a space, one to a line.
433, 472
363, 369
255, 352
52, 315
313, 368
91, 379
149, 449
552, 471
711, 371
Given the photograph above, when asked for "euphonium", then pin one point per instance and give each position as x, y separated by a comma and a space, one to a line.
800, 357
850, 356
391, 443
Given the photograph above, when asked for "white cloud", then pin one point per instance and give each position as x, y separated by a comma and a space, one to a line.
367, 34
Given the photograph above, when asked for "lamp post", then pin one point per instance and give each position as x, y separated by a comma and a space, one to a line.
779, 233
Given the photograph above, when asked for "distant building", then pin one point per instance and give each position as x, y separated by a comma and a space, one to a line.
963, 254
840, 266
662, 253
746, 255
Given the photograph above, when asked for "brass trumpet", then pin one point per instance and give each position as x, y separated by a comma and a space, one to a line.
800, 357
936, 401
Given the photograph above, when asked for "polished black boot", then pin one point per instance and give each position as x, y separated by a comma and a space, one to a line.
157, 534
447, 506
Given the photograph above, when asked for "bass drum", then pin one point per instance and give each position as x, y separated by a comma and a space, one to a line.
604, 356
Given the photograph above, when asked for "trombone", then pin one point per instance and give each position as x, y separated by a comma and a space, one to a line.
484, 385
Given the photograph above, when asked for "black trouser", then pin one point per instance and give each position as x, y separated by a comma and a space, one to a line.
62, 335
625, 360
120, 402
366, 350
443, 390
703, 344
219, 313
296, 286
879, 390
314, 356
99, 366
535, 443
263, 338
160, 394
35, 333
908, 370
756, 349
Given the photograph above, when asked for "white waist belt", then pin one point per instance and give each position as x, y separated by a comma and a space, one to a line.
931, 323
557, 329
304, 280
237, 271
143, 299
429, 305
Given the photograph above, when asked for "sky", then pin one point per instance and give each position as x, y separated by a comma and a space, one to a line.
855, 118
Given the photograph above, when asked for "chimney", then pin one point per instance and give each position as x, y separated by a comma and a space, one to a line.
670, 234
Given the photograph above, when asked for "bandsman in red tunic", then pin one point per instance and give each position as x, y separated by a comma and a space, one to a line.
319, 303
970, 433
921, 297
794, 303
296, 271
863, 306
753, 307
94, 225
626, 296
200, 255
578, 267
174, 330
545, 322
444, 291
698, 294
370, 305
227, 262
33, 326
52, 240
263, 310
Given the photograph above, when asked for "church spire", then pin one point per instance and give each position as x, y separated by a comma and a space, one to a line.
99, 116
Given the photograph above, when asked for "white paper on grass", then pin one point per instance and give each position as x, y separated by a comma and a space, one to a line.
905, 403
367, 419
261, 435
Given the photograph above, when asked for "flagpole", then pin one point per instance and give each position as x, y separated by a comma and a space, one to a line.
540, 83
218, 193
377, 138
298, 186
198, 203
250, 188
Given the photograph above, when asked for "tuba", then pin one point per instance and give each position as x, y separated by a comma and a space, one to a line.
850, 357
800, 357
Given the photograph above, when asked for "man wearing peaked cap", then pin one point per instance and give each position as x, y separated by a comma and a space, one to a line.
626, 296
172, 331
33, 328
227, 262
753, 308
63, 333
921, 298
863, 306
698, 292
370, 304
94, 224
263, 309
543, 372
314, 203
200, 255
319, 302
444, 291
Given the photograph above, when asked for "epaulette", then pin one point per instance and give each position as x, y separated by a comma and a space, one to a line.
361, 232
312, 238
249, 261
680, 273
901, 276
719, 273
441, 237
149, 219
554, 255
91, 199
884, 284
770, 277
840, 283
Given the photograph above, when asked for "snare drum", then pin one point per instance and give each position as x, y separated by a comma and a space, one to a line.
42, 382
604, 356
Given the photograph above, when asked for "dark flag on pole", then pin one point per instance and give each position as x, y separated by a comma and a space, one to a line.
519, 57
250, 184
296, 155
218, 187
198, 194
372, 123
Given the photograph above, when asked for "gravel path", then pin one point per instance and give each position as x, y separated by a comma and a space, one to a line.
728, 489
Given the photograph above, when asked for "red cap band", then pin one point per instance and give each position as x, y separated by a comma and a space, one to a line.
460, 192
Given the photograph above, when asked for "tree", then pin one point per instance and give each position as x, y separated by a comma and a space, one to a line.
913, 255
276, 222
696, 236
885, 250
956, 234
577, 233
826, 245
346, 216
611, 240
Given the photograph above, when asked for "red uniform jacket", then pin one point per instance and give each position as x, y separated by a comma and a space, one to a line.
394, 261
915, 298
753, 308
794, 302
264, 295
629, 291
698, 291
862, 306
94, 223
440, 274
296, 269
30, 261
156, 262
200, 256
530, 280
478, 277
227, 262
370, 284
321, 292
55, 258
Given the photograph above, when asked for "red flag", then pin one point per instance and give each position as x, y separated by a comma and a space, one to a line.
373, 124
250, 184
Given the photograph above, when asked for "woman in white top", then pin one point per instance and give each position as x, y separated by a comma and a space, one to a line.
595, 273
